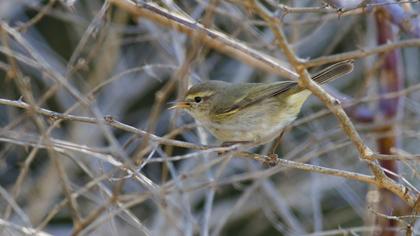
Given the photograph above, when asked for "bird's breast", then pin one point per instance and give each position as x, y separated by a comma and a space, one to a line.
258, 123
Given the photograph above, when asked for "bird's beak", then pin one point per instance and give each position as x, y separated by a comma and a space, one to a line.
180, 105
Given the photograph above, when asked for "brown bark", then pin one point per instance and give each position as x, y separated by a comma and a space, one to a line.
390, 80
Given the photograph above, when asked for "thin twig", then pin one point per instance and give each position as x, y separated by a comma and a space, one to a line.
44, 10
23, 230
212, 38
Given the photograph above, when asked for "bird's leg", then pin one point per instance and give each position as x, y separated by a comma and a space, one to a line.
272, 153
276, 144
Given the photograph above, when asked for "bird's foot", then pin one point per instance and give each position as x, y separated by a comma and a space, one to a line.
271, 160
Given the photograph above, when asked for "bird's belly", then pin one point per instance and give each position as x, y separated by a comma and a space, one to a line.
257, 128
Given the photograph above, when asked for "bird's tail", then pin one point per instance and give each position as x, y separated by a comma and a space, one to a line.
333, 72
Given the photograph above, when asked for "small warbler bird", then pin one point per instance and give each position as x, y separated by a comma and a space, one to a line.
253, 113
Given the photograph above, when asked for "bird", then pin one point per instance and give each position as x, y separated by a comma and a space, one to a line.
252, 113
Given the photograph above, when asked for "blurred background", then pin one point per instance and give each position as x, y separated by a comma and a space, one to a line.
84, 83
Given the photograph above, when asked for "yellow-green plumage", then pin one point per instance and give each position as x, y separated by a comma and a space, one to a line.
252, 112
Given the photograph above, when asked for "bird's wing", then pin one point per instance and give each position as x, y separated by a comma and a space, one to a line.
259, 93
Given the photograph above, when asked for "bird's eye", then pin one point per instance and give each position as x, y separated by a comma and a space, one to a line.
197, 99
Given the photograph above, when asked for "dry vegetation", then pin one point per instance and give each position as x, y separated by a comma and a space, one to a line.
88, 146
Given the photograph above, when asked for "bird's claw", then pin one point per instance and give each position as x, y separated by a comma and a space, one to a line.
271, 160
